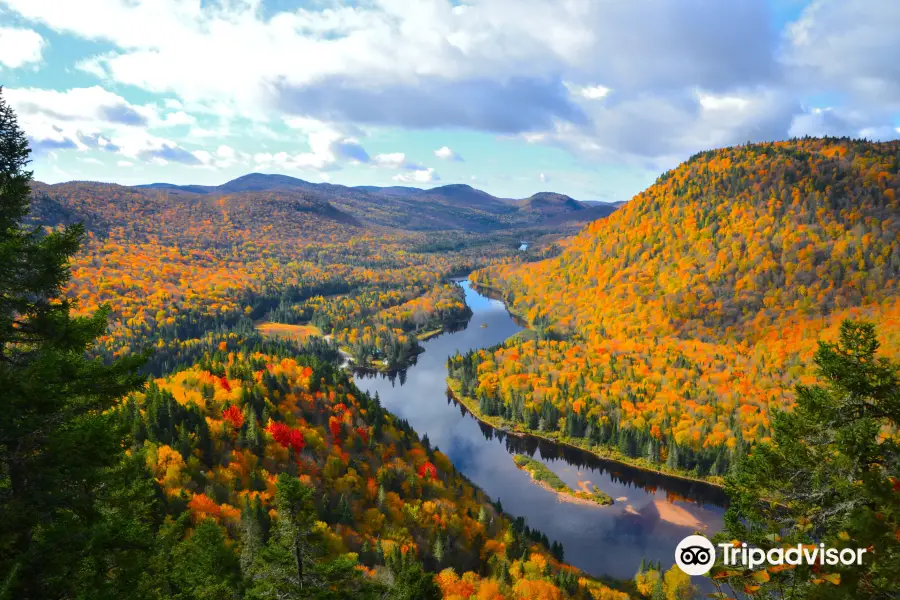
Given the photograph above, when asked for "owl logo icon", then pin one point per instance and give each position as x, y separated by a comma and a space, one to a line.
695, 555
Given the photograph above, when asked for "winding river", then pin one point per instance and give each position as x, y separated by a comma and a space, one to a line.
652, 512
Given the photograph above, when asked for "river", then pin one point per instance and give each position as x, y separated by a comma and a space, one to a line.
652, 512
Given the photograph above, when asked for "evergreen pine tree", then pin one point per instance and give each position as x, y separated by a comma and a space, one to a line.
58, 440
829, 475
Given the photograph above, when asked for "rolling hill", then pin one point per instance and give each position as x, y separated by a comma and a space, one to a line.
670, 329
448, 207
173, 261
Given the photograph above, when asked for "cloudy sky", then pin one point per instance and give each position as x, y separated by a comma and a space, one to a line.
593, 98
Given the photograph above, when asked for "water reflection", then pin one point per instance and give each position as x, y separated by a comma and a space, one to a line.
652, 512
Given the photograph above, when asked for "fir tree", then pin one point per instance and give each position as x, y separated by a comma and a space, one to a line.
58, 441
829, 475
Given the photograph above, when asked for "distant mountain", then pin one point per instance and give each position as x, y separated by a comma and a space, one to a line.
258, 182
252, 182
616, 204
587, 215
396, 190
193, 189
549, 203
447, 207
465, 195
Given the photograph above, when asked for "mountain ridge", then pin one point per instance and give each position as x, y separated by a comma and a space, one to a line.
448, 207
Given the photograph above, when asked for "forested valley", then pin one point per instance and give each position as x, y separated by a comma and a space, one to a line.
177, 423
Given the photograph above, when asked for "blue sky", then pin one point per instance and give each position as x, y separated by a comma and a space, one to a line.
592, 98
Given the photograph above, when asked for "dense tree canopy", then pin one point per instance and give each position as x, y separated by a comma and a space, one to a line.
60, 453
831, 474
669, 329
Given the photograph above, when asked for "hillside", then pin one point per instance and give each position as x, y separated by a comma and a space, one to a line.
192, 276
173, 265
548, 203
454, 206
669, 329
217, 436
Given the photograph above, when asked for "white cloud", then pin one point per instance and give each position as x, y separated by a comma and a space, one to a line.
202, 132
839, 122
418, 176
124, 163
445, 153
79, 118
724, 103
174, 119
494, 65
96, 119
657, 132
590, 92
393, 160
542, 178
223, 158
850, 46
20, 47
91, 66
330, 145
572, 74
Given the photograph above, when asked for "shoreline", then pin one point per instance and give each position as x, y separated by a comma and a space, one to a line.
471, 407
411, 360
566, 494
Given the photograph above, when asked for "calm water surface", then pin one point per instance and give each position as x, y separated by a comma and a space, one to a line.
651, 515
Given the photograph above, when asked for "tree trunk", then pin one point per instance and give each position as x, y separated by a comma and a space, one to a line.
298, 562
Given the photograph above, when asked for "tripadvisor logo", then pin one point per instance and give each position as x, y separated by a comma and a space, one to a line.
695, 555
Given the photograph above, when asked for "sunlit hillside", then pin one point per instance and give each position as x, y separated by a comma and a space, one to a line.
685, 316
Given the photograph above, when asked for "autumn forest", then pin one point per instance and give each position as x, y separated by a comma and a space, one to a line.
181, 420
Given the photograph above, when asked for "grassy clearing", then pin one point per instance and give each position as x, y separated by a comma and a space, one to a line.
294, 332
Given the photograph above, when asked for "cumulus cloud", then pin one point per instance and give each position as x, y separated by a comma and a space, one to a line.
92, 119
166, 153
659, 131
72, 119
506, 106
646, 81
177, 118
850, 46
497, 65
418, 176
841, 123
445, 153
331, 146
20, 47
590, 92
223, 158
393, 160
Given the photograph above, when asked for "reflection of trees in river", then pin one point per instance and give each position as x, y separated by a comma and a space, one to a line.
391, 376
676, 488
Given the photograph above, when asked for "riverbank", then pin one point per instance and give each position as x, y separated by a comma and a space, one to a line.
604, 542
495, 293
547, 479
608, 454
378, 366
